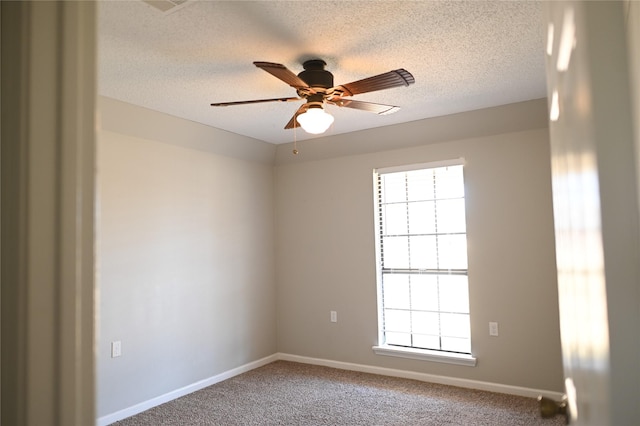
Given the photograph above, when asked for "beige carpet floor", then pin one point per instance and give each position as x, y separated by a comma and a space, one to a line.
288, 393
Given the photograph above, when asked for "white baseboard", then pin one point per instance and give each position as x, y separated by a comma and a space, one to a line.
424, 377
170, 396
432, 378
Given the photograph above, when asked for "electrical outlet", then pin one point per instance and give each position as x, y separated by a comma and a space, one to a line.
334, 316
493, 329
116, 349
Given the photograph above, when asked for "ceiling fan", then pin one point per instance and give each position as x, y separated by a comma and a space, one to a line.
315, 84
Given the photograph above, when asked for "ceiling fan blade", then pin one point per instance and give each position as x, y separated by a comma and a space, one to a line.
283, 73
255, 101
395, 78
293, 122
379, 109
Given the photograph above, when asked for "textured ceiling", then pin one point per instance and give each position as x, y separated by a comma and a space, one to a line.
464, 55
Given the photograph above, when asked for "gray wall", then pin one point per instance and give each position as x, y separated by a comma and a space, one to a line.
326, 258
185, 253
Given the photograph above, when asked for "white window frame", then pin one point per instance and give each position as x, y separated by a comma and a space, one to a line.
398, 351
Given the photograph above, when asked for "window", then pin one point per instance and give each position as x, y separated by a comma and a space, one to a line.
421, 248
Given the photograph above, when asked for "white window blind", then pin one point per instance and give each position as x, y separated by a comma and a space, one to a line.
422, 258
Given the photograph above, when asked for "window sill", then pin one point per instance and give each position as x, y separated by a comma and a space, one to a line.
426, 355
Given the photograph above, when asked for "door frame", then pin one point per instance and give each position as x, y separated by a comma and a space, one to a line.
48, 200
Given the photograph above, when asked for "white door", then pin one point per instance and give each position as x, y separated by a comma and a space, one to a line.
595, 196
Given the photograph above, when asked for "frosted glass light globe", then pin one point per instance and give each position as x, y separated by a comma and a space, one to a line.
315, 121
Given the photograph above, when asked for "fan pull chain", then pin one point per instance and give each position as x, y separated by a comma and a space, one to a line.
295, 136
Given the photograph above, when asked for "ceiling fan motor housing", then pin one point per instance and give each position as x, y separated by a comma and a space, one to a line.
315, 75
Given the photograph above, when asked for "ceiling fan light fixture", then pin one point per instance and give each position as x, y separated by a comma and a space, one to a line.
315, 120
